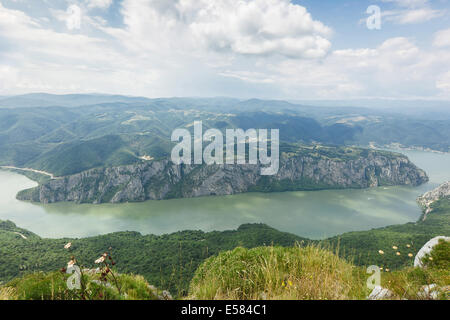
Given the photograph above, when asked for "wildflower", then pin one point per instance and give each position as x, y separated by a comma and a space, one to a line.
67, 246
283, 284
408, 246
410, 255
395, 247
387, 269
380, 251
398, 253
290, 283
71, 263
100, 260
430, 258
63, 270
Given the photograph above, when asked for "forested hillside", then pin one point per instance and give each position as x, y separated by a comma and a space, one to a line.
169, 261
68, 134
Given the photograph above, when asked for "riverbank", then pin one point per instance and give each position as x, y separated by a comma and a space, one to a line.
50, 175
316, 214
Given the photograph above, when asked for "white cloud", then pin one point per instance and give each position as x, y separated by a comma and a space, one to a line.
257, 28
442, 38
409, 3
396, 68
411, 11
418, 15
39, 59
103, 4
262, 48
443, 82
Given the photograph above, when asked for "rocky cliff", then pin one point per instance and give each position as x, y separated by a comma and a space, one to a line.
307, 170
426, 201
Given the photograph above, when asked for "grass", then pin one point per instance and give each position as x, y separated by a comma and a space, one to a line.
311, 273
263, 273
408, 283
53, 286
277, 273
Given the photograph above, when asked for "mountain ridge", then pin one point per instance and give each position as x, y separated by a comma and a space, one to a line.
303, 169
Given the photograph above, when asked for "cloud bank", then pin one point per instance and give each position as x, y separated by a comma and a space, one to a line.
242, 48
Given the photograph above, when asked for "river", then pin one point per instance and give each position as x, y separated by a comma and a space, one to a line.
314, 215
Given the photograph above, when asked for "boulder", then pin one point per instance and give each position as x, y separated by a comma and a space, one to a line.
426, 249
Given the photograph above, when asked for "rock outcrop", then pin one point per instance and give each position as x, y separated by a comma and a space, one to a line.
380, 293
427, 248
163, 179
426, 201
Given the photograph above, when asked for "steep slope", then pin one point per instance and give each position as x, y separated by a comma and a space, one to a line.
302, 169
427, 200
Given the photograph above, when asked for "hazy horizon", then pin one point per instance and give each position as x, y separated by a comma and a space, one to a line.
368, 103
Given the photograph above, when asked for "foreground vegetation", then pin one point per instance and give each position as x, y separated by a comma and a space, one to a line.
263, 273
170, 261
311, 273
277, 273
363, 247
53, 286
167, 261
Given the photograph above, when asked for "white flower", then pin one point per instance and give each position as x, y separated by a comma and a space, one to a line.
100, 260
67, 246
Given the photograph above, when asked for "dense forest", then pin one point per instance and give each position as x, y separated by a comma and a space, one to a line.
169, 261
52, 133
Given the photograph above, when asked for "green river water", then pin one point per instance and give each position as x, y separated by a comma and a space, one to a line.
315, 215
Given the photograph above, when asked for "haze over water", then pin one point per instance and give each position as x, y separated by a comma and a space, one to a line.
313, 215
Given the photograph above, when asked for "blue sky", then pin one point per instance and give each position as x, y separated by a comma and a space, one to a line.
280, 49
344, 17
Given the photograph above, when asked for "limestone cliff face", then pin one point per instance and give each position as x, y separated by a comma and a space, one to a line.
163, 179
427, 199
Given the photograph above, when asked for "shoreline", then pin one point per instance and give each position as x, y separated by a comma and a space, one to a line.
29, 170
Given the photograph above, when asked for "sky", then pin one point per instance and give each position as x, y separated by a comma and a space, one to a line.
268, 49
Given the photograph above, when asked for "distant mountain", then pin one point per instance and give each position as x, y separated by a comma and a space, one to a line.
425, 109
376, 103
66, 100
53, 138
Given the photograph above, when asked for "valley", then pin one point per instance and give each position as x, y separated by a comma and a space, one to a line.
312, 214
98, 176
170, 261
